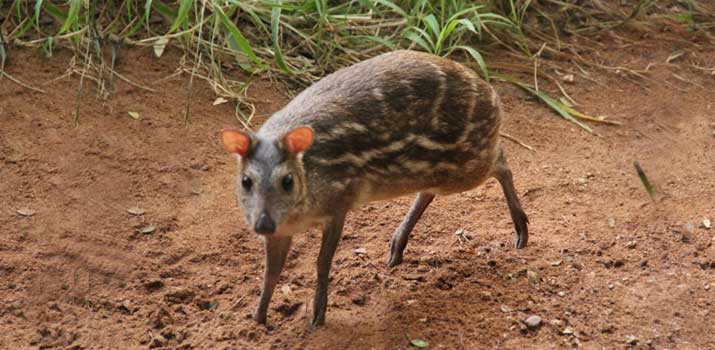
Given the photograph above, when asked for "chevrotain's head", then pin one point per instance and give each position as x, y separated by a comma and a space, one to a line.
271, 179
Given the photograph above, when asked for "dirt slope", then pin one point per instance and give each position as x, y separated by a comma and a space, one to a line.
616, 270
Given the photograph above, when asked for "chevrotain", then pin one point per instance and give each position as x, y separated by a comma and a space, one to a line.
400, 123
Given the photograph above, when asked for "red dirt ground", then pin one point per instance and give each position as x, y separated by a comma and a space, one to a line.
616, 269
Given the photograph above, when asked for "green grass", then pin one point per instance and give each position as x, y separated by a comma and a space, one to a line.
301, 41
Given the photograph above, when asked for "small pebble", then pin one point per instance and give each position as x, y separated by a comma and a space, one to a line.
360, 251
533, 277
533, 322
567, 331
26, 211
35, 339
562, 293
126, 306
631, 340
690, 228
611, 222
158, 341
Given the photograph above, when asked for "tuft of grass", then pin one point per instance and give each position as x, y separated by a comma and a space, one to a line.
299, 41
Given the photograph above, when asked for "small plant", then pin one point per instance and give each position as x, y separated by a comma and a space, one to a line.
441, 29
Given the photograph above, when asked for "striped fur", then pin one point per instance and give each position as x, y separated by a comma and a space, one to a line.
398, 123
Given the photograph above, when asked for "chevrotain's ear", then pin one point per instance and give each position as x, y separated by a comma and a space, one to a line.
236, 141
298, 140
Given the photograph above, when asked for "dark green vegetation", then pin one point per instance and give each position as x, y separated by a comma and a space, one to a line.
300, 41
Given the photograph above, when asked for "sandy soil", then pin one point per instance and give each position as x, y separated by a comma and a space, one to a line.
614, 269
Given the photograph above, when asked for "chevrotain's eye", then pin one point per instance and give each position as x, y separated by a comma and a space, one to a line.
287, 183
246, 182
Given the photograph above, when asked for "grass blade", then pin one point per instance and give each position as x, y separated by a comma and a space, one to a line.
319, 8
147, 11
3, 57
38, 7
445, 33
431, 22
48, 47
557, 106
477, 57
275, 34
417, 38
644, 179
394, 7
72, 15
55, 12
389, 44
421, 37
236, 37
182, 16
164, 9
257, 20
469, 25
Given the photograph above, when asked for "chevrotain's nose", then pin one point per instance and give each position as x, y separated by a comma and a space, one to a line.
264, 224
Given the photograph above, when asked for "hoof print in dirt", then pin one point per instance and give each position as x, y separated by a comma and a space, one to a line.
632, 340
157, 341
126, 307
180, 296
359, 300
288, 309
161, 318
443, 284
154, 285
206, 304
613, 263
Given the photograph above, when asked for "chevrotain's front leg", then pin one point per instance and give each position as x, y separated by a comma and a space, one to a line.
331, 236
276, 250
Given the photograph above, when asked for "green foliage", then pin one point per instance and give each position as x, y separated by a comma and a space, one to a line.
308, 37
304, 39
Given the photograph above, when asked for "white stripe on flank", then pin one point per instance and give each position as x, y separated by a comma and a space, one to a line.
423, 141
441, 91
429, 144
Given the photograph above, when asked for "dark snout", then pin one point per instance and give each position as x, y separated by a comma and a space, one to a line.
264, 225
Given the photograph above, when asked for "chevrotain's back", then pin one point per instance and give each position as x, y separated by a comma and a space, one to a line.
398, 123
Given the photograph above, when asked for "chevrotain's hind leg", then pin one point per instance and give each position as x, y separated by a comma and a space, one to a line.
276, 252
331, 236
402, 234
502, 173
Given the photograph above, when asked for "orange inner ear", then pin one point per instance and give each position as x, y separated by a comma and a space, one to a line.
299, 140
236, 141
